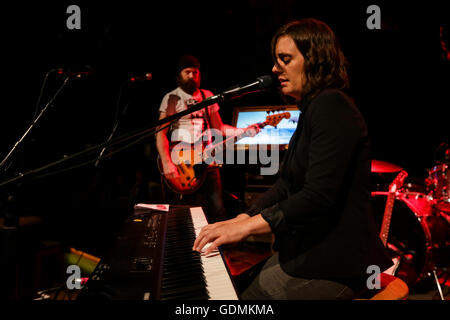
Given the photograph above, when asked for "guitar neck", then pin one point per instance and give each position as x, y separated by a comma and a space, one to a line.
231, 140
398, 182
384, 233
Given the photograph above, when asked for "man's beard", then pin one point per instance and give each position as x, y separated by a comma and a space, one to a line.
189, 86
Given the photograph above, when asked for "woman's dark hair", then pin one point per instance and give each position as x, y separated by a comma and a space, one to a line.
325, 65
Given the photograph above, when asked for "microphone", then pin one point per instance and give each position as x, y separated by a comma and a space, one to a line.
76, 74
147, 77
260, 84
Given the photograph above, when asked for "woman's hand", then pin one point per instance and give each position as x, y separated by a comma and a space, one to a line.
230, 231
223, 232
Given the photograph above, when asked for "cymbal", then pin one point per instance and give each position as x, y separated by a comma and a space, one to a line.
384, 167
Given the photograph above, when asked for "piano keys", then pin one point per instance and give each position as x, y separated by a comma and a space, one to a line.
152, 259
219, 284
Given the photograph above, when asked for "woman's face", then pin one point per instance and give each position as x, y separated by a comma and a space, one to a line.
289, 67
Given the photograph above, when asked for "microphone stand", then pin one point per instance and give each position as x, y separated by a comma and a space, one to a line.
10, 240
36, 120
109, 169
115, 126
263, 83
203, 104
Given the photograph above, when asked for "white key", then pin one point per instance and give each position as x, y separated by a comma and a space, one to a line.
218, 282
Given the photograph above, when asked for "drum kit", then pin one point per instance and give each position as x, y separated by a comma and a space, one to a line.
419, 229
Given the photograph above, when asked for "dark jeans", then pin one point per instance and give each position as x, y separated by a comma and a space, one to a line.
209, 196
273, 283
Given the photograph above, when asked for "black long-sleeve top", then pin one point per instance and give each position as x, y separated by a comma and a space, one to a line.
319, 208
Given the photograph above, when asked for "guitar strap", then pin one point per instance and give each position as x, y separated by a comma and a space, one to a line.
171, 109
208, 123
206, 113
172, 104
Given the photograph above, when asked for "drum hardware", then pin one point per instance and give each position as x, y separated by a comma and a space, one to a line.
406, 256
418, 202
438, 185
378, 166
419, 235
437, 283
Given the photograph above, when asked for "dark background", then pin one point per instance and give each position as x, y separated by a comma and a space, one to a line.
399, 81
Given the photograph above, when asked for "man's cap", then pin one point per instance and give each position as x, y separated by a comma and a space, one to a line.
187, 61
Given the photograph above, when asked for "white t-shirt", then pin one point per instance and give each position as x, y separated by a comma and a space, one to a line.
190, 127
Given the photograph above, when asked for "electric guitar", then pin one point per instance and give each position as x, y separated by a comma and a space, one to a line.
191, 159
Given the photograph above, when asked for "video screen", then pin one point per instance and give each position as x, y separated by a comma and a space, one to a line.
281, 134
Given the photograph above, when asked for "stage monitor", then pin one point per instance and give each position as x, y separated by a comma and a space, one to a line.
269, 135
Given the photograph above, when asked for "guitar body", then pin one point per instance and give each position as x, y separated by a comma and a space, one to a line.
191, 170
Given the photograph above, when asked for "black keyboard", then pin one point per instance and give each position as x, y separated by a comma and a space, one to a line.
152, 259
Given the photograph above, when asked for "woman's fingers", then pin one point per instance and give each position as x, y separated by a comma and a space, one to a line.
207, 229
212, 247
214, 235
218, 234
203, 239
